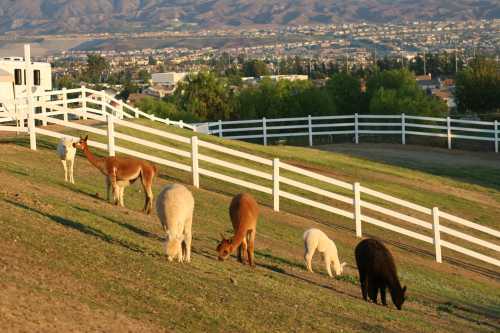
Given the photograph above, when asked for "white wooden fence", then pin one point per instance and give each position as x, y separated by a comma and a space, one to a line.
281, 180
356, 125
60, 102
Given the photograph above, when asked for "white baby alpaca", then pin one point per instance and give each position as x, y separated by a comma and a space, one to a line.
174, 206
66, 152
315, 239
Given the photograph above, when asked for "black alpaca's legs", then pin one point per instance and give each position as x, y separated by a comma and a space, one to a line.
382, 295
372, 290
364, 285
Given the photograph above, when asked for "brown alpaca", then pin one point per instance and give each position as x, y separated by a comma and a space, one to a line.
121, 172
244, 212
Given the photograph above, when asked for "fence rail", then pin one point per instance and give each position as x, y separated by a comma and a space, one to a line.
356, 202
356, 125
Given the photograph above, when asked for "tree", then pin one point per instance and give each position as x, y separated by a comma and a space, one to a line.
97, 69
205, 95
255, 68
144, 76
478, 87
396, 91
345, 92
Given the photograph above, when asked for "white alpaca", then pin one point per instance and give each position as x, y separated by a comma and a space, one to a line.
66, 152
315, 239
174, 206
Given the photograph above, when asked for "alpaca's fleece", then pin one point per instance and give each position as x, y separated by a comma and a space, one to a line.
315, 239
174, 206
67, 152
65, 149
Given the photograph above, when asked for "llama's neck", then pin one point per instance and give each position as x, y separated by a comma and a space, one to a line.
334, 256
99, 163
238, 238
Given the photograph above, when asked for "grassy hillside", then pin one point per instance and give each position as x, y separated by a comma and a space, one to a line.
74, 262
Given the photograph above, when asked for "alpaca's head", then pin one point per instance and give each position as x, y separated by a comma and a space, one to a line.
224, 248
398, 297
82, 143
339, 269
173, 248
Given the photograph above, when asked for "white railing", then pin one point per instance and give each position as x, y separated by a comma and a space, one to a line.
355, 202
65, 101
356, 125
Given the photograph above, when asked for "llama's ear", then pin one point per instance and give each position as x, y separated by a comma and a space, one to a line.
404, 289
86, 137
343, 264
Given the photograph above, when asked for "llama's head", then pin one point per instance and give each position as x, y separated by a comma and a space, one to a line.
82, 143
398, 297
224, 248
173, 248
340, 269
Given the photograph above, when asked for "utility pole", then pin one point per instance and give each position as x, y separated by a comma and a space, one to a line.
425, 67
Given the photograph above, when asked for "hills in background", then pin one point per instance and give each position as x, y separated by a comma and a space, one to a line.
82, 16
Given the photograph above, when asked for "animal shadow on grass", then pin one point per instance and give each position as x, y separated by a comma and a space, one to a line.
130, 227
80, 227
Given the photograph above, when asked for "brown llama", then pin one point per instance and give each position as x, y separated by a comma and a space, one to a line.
244, 212
121, 172
377, 271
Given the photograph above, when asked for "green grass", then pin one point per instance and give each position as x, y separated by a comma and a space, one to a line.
69, 251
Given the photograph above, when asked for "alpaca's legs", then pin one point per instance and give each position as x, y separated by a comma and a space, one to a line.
71, 164
382, 295
65, 170
251, 243
147, 184
364, 283
187, 243
328, 263
243, 248
108, 189
121, 191
308, 258
372, 290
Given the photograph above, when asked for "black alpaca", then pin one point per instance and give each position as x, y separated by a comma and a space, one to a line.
377, 271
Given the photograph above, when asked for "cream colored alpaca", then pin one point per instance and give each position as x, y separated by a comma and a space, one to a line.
174, 206
315, 239
66, 151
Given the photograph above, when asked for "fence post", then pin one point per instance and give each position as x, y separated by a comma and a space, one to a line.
437, 235
448, 127
357, 209
496, 136
220, 128
403, 129
84, 102
194, 161
65, 104
264, 130
44, 110
120, 109
309, 125
103, 102
111, 135
356, 125
29, 84
276, 184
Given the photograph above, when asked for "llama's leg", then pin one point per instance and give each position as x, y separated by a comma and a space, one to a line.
240, 253
121, 189
382, 295
147, 184
373, 290
187, 243
328, 263
364, 286
71, 164
65, 170
251, 244
243, 248
308, 258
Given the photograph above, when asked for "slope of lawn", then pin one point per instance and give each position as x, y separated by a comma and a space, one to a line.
71, 261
